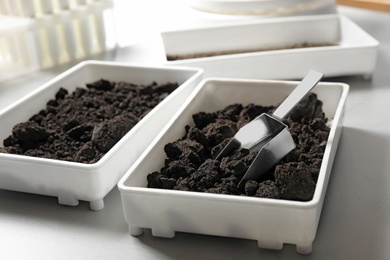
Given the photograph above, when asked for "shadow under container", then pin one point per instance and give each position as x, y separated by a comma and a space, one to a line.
71, 181
271, 222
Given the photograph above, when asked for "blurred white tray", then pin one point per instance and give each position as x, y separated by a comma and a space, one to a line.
260, 7
70, 181
355, 51
269, 221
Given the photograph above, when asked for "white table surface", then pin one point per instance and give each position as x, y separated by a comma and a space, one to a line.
355, 221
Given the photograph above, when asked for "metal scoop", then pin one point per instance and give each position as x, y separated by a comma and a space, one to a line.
268, 134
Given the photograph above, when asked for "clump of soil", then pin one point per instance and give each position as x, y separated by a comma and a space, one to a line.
212, 54
191, 166
86, 124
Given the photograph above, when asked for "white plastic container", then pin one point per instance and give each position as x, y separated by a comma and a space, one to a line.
354, 51
70, 181
271, 222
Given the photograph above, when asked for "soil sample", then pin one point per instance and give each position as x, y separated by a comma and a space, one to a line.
84, 125
190, 163
213, 54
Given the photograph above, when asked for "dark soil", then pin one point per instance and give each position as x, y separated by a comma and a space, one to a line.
86, 124
212, 54
190, 165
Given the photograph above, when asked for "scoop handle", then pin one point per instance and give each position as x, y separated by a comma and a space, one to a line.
304, 87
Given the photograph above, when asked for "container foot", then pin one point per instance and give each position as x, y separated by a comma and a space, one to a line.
276, 245
367, 76
163, 232
96, 205
136, 231
305, 249
68, 201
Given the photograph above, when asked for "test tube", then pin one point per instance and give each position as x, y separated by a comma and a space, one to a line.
42, 40
37, 8
66, 28
12, 7
4, 53
3, 7
82, 27
27, 8
63, 55
98, 24
2, 57
15, 44
52, 32
63, 4
47, 7
81, 2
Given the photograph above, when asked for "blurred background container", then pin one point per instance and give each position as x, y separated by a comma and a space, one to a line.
265, 7
39, 34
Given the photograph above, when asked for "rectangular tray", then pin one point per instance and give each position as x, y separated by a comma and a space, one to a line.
70, 181
269, 221
355, 51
